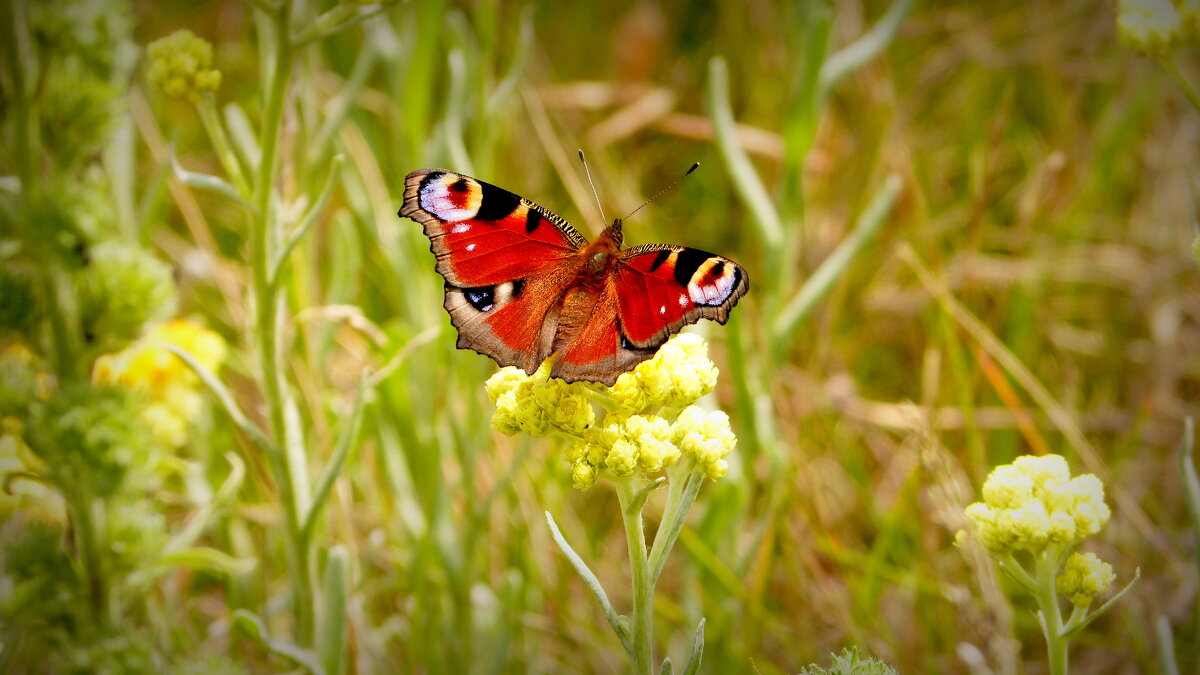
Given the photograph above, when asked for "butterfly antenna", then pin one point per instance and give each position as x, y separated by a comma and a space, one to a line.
664, 190
594, 193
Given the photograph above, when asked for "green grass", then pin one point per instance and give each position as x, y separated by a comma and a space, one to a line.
972, 245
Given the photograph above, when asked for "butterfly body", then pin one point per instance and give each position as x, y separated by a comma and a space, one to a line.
522, 284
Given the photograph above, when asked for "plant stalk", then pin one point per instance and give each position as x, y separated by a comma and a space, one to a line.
267, 319
643, 585
1052, 621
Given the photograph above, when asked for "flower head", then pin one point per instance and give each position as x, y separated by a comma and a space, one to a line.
1083, 578
170, 385
181, 65
1153, 27
1034, 503
637, 436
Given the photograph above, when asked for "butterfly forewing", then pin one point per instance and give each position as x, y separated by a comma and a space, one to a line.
662, 288
506, 262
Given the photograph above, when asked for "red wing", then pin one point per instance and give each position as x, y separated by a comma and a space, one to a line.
507, 263
483, 235
662, 288
512, 322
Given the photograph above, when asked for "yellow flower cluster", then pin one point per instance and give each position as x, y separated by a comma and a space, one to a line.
181, 65
678, 375
636, 436
538, 404
1034, 503
1153, 27
172, 387
1083, 578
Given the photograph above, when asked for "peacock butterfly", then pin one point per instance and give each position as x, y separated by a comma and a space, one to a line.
522, 284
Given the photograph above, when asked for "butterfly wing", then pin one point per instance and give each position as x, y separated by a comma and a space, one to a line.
652, 293
507, 263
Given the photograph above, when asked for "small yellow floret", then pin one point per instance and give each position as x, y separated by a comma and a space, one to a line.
706, 437
1083, 578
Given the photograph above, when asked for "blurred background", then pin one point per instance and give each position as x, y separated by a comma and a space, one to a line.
968, 229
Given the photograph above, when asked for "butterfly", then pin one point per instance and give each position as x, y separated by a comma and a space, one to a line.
522, 284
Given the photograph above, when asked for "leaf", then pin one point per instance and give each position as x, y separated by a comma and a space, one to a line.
253, 626
593, 584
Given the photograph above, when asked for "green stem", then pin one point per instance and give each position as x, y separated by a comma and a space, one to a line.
289, 450
83, 519
682, 489
18, 51
1051, 613
643, 584
216, 133
1189, 90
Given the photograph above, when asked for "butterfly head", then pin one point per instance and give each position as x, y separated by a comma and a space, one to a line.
614, 232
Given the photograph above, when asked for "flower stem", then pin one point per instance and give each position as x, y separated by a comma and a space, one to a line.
682, 489
1189, 89
289, 449
643, 584
1051, 613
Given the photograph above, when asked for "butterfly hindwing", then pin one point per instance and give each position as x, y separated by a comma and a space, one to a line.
506, 262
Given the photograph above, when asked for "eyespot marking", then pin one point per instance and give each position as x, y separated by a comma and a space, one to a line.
483, 299
449, 197
712, 282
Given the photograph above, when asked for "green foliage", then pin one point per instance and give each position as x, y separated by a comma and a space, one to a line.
848, 662
122, 288
967, 240
91, 436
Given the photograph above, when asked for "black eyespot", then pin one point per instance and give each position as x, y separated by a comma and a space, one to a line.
482, 299
460, 185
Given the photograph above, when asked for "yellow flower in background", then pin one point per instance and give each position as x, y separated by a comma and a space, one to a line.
637, 436
1084, 577
180, 64
1153, 27
172, 387
1034, 503
146, 363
